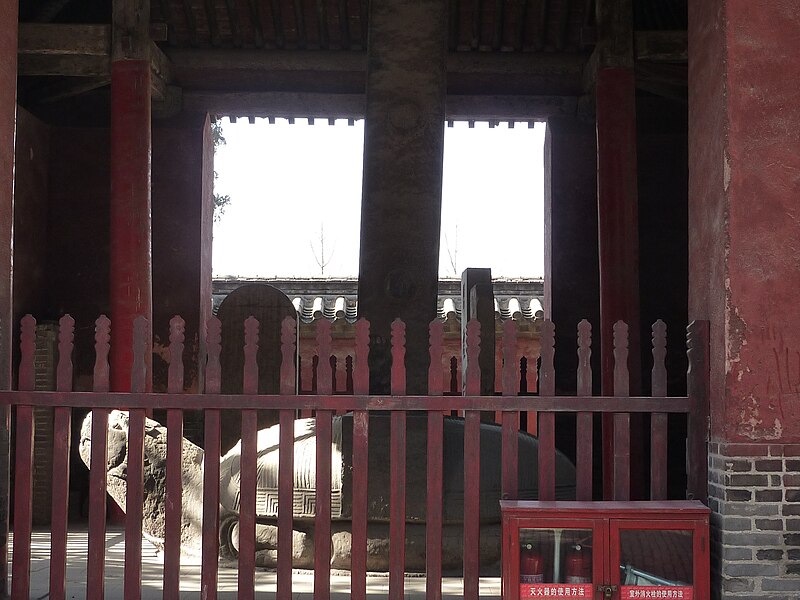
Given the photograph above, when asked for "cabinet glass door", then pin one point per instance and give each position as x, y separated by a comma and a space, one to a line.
557, 562
653, 562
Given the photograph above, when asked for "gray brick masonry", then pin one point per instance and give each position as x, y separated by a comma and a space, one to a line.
754, 491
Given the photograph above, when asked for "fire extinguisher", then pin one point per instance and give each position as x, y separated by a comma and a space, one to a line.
531, 565
578, 565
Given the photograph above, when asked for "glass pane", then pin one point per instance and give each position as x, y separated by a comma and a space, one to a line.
555, 556
656, 563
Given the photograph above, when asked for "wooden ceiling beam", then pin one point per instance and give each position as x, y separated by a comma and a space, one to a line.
351, 106
50, 39
69, 65
661, 46
468, 72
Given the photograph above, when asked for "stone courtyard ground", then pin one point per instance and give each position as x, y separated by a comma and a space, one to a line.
152, 572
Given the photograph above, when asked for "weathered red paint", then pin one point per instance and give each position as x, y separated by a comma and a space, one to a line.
743, 212
8, 105
8, 111
131, 258
617, 209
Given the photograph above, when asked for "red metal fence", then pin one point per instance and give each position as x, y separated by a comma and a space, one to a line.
546, 405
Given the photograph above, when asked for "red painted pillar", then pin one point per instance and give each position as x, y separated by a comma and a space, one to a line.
131, 257
618, 232
744, 272
8, 105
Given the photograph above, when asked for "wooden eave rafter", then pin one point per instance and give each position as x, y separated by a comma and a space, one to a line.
323, 83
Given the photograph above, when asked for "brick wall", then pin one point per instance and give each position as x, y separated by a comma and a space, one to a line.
754, 493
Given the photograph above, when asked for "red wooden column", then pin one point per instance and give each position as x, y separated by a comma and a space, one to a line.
744, 232
8, 105
617, 200
131, 257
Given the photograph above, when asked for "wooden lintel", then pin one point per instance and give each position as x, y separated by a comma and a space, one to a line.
344, 72
49, 39
67, 88
68, 65
662, 46
336, 61
69, 39
161, 69
352, 106
508, 108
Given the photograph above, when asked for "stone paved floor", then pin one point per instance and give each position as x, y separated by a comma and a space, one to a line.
152, 571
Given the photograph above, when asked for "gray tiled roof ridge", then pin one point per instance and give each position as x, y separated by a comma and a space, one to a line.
517, 298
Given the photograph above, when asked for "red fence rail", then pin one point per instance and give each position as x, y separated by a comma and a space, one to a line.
289, 404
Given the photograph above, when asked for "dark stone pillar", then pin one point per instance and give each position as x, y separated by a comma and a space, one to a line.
571, 280
401, 206
182, 230
131, 259
8, 105
744, 232
182, 221
571, 285
477, 302
663, 168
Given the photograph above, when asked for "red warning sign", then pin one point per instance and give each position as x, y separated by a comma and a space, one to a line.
649, 592
555, 590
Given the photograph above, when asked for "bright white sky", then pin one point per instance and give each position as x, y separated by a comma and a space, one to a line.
287, 181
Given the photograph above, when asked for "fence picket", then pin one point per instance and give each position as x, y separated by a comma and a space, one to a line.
358, 549
286, 461
397, 467
211, 441
324, 385
322, 517
697, 384
622, 421
134, 497
510, 419
472, 466
23, 474
435, 343
547, 426
658, 421
96, 555
433, 502
174, 504
584, 419
324, 423
325, 404
247, 482
62, 440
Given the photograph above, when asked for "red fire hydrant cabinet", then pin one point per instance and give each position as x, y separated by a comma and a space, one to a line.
605, 550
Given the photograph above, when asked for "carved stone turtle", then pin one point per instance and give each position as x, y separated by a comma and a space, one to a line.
379, 488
